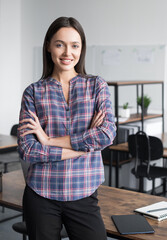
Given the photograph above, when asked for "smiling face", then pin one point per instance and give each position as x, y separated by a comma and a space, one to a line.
65, 49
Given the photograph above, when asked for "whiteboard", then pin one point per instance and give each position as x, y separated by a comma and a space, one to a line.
146, 62
128, 63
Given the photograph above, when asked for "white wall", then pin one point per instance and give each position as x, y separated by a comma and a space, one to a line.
10, 63
107, 22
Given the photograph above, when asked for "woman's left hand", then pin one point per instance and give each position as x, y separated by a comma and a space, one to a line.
35, 128
98, 119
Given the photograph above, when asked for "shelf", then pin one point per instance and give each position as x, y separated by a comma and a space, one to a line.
137, 117
137, 82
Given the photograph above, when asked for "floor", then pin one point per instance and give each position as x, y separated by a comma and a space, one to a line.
6, 231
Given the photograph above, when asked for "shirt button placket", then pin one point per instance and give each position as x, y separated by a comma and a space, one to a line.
68, 120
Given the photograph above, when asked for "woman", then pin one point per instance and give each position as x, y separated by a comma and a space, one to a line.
65, 121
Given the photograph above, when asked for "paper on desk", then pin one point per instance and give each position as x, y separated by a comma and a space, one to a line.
159, 214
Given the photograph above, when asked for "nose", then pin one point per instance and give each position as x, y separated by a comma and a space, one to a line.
67, 50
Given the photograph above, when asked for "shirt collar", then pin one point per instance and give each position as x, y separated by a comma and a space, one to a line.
58, 83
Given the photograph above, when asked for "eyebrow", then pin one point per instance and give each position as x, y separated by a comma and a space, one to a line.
64, 42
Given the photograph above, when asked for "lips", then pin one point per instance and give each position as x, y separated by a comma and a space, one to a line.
66, 61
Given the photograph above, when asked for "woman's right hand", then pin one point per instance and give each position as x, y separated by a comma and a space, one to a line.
31, 126
97, 119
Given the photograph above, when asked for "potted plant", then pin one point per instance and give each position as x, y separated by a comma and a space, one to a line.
125, 111
146, 102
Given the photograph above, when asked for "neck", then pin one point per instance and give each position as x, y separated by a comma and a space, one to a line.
64, 76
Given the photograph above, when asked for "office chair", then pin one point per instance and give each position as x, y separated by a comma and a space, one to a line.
20, 227
145, 149
13, 131
10, 154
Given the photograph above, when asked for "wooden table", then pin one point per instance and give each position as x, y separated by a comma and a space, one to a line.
123, 147
115, 201
111, 200
7, 141
12, 190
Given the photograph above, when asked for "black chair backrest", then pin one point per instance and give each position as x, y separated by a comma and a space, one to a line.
144, 146
13, 131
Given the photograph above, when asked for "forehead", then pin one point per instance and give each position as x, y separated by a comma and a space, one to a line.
67, 34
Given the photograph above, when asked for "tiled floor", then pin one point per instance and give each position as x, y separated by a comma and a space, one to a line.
6, 231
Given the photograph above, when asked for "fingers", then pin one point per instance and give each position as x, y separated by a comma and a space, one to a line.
27, 126
94, 119
97, 119
30, 124
30, 120
34, 115
27, 132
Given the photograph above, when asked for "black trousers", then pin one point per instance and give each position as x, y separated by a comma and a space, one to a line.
44, 217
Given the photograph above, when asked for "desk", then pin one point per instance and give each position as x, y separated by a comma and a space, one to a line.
123, 147
115, 201
12, 190
8, 144
7, 141
111, 200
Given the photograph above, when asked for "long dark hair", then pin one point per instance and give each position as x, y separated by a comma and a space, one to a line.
61, 22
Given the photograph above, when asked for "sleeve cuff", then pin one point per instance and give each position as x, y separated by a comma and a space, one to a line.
55, 154
77, 143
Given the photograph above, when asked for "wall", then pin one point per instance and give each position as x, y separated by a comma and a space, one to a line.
107, 22
10, 63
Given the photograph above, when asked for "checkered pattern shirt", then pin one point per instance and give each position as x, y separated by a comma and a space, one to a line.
74, 178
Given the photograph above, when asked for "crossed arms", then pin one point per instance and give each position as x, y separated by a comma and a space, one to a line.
32, 126
34, 145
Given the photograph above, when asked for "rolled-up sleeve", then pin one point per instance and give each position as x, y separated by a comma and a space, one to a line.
29, 148
98, 138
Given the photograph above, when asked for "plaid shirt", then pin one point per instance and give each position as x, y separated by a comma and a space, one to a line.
75, 178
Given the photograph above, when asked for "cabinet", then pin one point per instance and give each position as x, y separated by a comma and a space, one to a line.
137, 116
